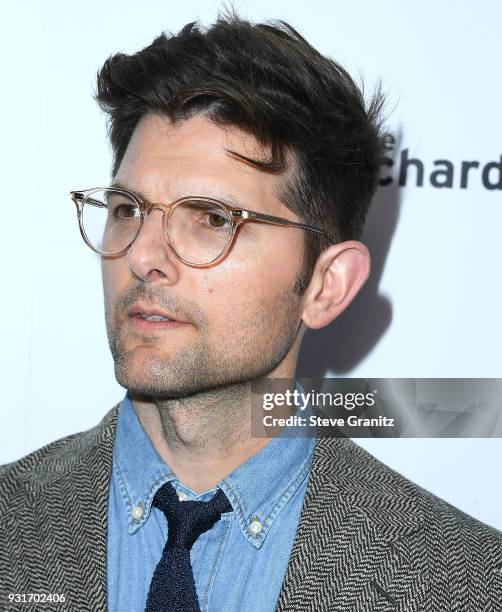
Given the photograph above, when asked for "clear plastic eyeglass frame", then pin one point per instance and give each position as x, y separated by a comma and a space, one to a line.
237, 217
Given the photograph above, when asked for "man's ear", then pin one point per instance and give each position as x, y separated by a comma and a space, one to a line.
339, 274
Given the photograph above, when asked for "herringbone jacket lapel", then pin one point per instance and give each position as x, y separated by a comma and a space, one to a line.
359, 540
56, 520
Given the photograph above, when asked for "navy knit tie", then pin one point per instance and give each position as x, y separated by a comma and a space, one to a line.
172, 588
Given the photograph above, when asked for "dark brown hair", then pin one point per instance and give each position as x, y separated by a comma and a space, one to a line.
268, 80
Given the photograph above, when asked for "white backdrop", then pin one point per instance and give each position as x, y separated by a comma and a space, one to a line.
431, 308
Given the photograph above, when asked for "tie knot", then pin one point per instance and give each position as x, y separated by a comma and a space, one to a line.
187, 520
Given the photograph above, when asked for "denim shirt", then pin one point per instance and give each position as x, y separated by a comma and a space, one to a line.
240, 563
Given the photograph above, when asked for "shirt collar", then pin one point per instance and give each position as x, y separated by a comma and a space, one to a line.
258, 489
137, 466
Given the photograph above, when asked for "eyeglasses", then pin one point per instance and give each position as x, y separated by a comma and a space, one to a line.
199, 230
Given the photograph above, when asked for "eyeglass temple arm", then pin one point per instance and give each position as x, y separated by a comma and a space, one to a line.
78, 196
255, 216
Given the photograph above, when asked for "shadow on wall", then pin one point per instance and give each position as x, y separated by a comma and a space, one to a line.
340, 346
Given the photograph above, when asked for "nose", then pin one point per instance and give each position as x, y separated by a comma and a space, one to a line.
150, 257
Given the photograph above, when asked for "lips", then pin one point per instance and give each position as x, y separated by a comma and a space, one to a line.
143, 320
140, 311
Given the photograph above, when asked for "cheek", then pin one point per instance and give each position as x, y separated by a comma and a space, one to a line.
277, 257
240, 291
266, 255
111, 273
258, 265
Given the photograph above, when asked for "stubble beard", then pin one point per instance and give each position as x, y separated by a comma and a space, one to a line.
257, 346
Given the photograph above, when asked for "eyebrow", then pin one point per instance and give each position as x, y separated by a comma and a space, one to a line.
119, 185
227, 199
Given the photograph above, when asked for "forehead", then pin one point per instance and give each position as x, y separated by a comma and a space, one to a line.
166, 161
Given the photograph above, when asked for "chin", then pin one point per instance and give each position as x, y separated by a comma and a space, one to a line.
145, 374
144, 383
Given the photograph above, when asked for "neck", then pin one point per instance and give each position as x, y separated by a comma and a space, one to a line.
204, 437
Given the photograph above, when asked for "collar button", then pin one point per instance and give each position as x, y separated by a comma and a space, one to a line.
255, 526
137, 512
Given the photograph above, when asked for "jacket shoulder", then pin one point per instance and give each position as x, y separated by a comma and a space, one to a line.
47, 463
443, 520
457, 532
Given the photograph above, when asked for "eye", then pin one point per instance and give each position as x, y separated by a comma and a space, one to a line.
205, 214
216, 219
125, 211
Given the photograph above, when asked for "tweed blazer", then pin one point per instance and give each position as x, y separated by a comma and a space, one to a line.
368, 539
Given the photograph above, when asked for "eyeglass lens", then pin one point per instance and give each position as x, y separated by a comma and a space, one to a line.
198, 229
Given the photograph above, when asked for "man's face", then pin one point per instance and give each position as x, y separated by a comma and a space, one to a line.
240, 317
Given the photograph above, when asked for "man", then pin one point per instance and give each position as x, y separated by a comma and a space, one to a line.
244, 166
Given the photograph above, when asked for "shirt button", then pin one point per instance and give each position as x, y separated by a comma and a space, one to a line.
137, 512
255, 526
182, 496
